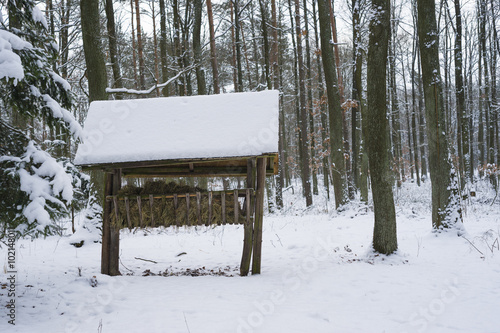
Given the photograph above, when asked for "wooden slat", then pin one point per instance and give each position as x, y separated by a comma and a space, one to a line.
151, 200
223, 204
175, 210
115, 206
198, 207
209, 208
127, 210
259, 215
139, 205
236, 207
187, 210
248, 228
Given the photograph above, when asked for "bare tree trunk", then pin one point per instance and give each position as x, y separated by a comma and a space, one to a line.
94, 58
163, 46
462, 121
446, 210
276, 85
263, 13
140, 55
213, 54
113, 50
384, 233
305, 159
334, 108
200, 73
134, 51
238, 44
322, 108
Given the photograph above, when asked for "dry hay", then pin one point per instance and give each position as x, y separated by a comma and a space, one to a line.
163, 210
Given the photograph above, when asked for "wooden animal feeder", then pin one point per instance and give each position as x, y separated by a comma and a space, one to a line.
200, 136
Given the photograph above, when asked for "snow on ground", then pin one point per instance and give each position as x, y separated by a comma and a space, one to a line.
318, 275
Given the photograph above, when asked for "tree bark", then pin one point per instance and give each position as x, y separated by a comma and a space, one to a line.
213, 53
163, 46
113, 49
334, 108
140, 54
446, 211
305, 158
200, 73
384, 233
94, 58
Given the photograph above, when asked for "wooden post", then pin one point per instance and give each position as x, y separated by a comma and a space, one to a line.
175, 210
139, 205
223, 204
236, 206
187, 209
106, 224
127, 209
198, 207
210, 208
259, 215
248, 228
151, 201
114, 244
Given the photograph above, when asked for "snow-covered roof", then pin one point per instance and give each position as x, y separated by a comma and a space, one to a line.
195, 127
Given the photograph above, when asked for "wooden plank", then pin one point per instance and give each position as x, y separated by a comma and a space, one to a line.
236, 207
106, 223
223, 204
187, 209
117, 214
248, 228
139, 205
170, 196
151, 202
198, 207
215, 161
127, 210
259, 215
175, 210
209, 208
114, 253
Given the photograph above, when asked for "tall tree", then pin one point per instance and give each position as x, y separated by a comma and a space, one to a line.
213, 54
200, 73
113, 50
446, 211
334, 108
462, 121
140, 53
163, 46
384, 233
92, 47
305, 158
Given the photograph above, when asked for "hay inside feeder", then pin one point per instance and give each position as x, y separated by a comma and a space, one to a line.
166, 210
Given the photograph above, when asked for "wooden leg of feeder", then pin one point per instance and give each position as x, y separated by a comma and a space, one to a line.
247, 238
223, 204
114, 255
106, 224
248, 228
259, 215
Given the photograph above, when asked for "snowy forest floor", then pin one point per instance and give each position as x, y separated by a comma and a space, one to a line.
318, 275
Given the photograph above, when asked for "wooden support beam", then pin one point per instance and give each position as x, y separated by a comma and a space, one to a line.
248, 227
259, 215
127, 208
151, 203
139, 205
198, 207
114, 245
223, 204
187, 209
106, 224
236, 207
